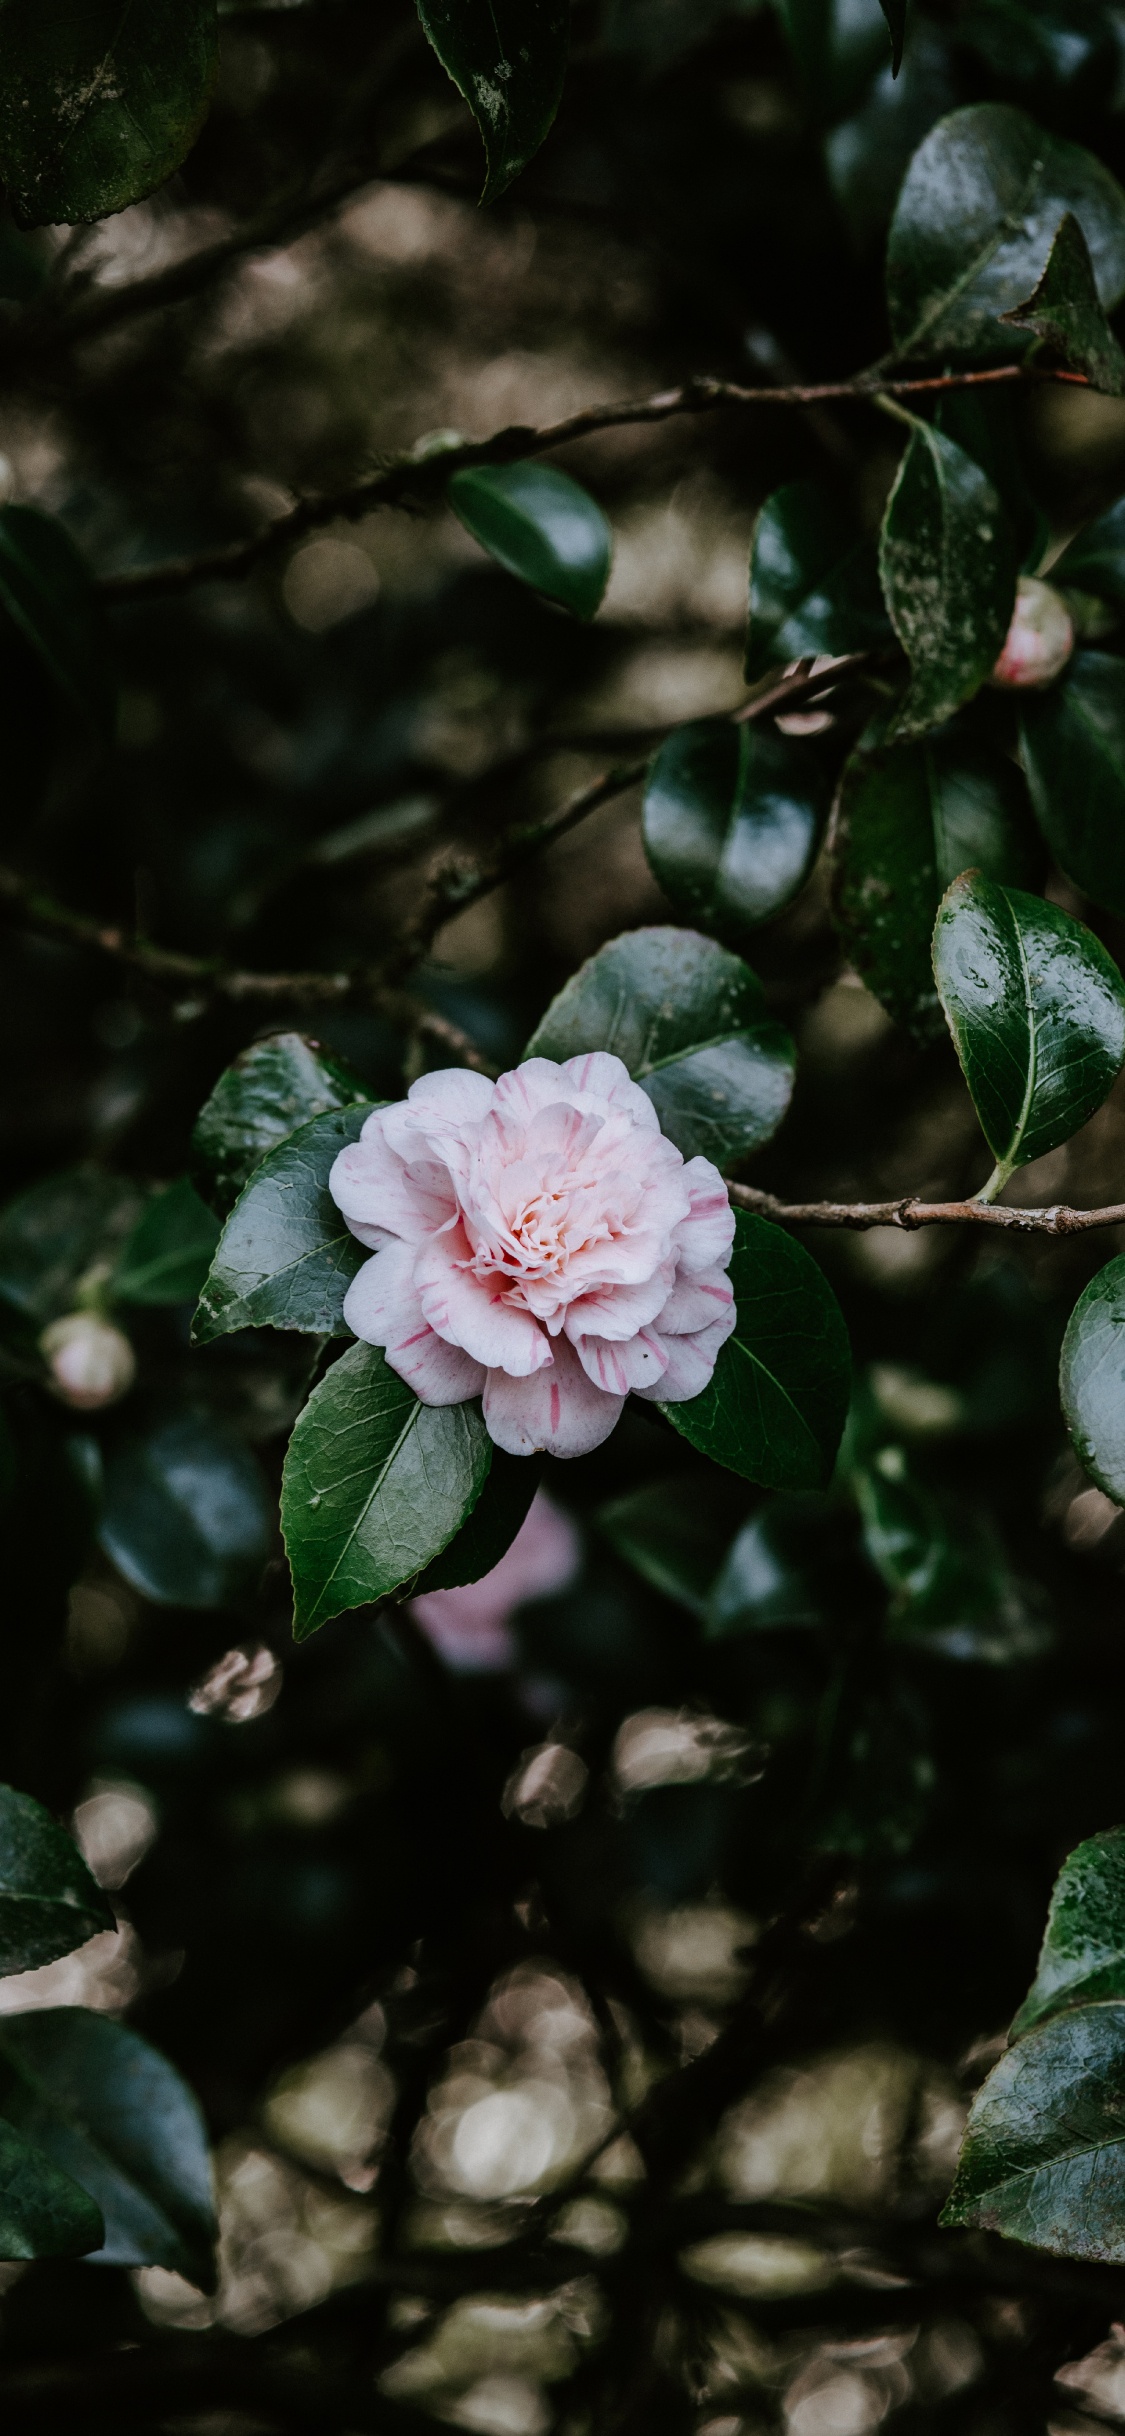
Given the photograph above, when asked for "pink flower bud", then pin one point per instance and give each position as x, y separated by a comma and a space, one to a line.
91, 1363
1040, 638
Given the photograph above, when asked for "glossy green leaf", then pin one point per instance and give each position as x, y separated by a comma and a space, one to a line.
732, 821
1043, 2159
948, 561
99, 103
1037, 1012
49, 1903
775, 1576
275, 1085
673, 1533
1072, 738
169, 1252
1094, 561
689, 1022
541, 526
496, 1519
866, 156
61, 1232
837, 46
508, 58
286, 1258
43, 2213
1082, 1958
1045, 46
975, 221
47, 591
953, 1592
1092, 1378
1065, 311
911, 817
375, 1486
187, 1517
895, 13
111, 2112
775, 1408
814, 581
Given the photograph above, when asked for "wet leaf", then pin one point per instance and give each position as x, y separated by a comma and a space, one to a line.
186, 1517
497, 1518
1072, 738
895, 13
775, 1407
541, 526
99, 103
286, 1258
673, 1533
1043, 2159
948, 561
776, 1576
169, 1252
56, 1234
49, 1903
733, 818
1094, 561
1082, 1959
689, 1022
508, 58
953, 1592
275, 1085
814, 581
1092, 1378
837, 48
1065, 311
43, 2213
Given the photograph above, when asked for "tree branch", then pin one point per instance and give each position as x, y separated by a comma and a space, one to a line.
419, 476
909, 1212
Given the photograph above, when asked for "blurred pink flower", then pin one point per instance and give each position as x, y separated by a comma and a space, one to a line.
540, 1242
469, 1627
1040, 638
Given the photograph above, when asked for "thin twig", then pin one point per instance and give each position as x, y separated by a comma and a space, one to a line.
420, 475
909, 1212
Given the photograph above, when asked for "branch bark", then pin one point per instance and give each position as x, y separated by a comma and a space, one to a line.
909, 1212
417, 478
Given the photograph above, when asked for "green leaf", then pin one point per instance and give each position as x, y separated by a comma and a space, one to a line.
58, 1233
1072, 738
979, 208
111, 2112
689, 1022
837, 46
1043, 2159
1092, 1378
47, 592
168, 1254
953, 1592
947, 558
1094, 561
814, 581
497, 1518
775, 1408
673, 1533
275, 1085
895, 13
43, 2214
49, 1903
1066, 312
508, 58
541, 526
910, 817
1037, 1012
375, 1486
1082, 1958
777, 1575
187, 1517
99, 103
286, 1258
733, 818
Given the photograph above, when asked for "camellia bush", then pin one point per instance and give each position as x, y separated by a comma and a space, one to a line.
562, 1310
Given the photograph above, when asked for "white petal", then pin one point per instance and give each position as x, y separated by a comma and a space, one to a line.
705, 1237
375, 1188
600, 1076
382, 1307
438, 1108
618, 1311
691, 1360
619, 1369
695, 1301
467, 1311
558, 1411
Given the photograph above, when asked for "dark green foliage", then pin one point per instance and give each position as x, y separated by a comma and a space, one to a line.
674, 1532
777, 1401
733, 818
1082, 1960
43, 2213
186, 1516
1073, 743
49, 1903
1093, 1356
508, 58
46, 591
272, 1088
1065, 310
168, 1254
495, 1520
947, 559
814, 581
1042, 2160
100, 103
542, 527
689, 1022
57, 1233
286, 1258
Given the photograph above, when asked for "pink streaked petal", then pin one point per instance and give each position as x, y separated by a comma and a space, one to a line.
381, 1306
618, 1311
621, 1369
558, 1412
695, 1301
538, 1083
375, 1188
691, 1360
466, 1310
601, 1076
705, 1237
438, 1108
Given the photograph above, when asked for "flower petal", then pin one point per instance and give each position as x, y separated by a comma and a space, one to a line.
691, 1360
618, 1368
705, 1237
375, 1188
474, 1312
600, 1076
618, 1311
558, 1412
382, 1306
695, 1301
438, 1108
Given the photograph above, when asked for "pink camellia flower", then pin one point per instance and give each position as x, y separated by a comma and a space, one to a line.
470, 1627
540, 1242
1040, 638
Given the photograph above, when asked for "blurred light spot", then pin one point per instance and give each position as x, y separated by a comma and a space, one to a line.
90, 1362
673, 1747
520, 2102
694, 1951
492, 2352
753, 2264
308, 1797
1087, 1519
501, 2406
114, 1828
105, 1976
284, 2244
848, 2387
919, 1407
326, 581
840, 2128
333, 2112
947, 2357
547, 1788
1098, 2380
240, 1686
469, 1627
509, 2141
99, 1622
591, 2224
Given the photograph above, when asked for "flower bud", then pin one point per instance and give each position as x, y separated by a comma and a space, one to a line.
91, 1363
1040, 638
